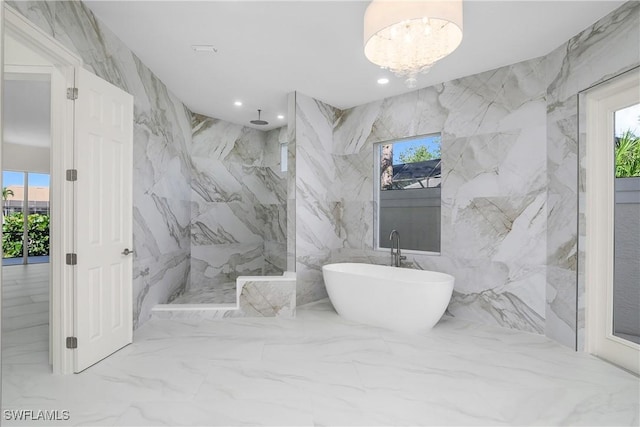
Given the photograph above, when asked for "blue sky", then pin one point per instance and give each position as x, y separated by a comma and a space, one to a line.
17, 178
628, 119
432, 142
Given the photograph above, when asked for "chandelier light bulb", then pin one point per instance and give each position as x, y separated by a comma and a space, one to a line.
408, 36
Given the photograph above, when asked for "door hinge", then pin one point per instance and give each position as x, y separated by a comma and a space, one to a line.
72, 174
72, 342
72, 93
72, 259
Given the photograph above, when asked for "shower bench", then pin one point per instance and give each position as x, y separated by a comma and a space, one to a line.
256, 296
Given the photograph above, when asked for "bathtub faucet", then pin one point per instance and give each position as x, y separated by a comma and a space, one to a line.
396, 256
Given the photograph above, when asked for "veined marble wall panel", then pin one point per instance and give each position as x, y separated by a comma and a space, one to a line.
275, 258
213, 265
216, 139
595, 54
161, 150
606, 49
493, 196
510, 154
238, 220
223, 223
272, 221
267, 299
495, 101
317, 200
170, 268
354, 231
494, 189
356, 173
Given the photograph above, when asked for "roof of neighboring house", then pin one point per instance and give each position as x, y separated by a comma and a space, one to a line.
417, 170
36, 194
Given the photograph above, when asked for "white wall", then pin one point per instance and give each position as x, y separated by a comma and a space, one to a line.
25, 158
27, 112
16, 53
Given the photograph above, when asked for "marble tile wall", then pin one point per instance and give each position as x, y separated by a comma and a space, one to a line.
510, 150
223, 201
238, 214
270, 298
493, 195
161, 156
317, 212
509, 197
607, 49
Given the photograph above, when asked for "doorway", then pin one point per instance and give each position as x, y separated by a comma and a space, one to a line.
612, 261
25, 216
91, 150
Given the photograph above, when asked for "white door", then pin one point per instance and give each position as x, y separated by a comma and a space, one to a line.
612, 286
103, 158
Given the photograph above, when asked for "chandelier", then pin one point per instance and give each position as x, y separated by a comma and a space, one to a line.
408, 36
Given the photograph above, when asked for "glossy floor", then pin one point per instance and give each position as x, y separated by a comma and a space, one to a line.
25, 297
318, 369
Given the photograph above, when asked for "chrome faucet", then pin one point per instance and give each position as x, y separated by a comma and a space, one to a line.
396, 257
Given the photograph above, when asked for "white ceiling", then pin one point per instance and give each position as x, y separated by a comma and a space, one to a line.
267, 49
27, 111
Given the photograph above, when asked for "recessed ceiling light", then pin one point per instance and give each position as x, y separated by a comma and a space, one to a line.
204, 48
238, 103
383, 81
280, 116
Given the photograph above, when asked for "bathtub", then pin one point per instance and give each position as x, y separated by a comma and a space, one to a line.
401, 299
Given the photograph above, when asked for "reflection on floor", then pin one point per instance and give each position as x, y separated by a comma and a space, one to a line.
25, 317
319, 369
25, 296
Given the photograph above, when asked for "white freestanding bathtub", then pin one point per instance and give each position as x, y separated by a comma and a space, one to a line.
401, 299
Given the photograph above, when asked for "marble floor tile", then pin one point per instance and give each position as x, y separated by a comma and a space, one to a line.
25, 318
222, 412
319, 369
25, 297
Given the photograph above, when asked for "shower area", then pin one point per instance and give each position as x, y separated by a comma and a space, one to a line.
238, 225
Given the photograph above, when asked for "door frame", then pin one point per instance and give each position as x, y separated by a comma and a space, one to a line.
62, 279
602, 101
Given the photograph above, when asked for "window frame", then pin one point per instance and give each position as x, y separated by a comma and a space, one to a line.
376, 195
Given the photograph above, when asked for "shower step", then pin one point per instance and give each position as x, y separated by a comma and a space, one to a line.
256, 296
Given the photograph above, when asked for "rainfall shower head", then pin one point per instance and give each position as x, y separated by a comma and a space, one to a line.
259, 122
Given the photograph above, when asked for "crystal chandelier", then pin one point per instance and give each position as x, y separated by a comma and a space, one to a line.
408, 36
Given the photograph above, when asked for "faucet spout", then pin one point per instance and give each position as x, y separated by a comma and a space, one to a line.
396, 256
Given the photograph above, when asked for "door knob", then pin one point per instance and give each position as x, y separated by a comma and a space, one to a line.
126, 251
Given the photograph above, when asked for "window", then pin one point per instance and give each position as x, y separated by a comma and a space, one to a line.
25, 198
612, 220
408, 192
284, 154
